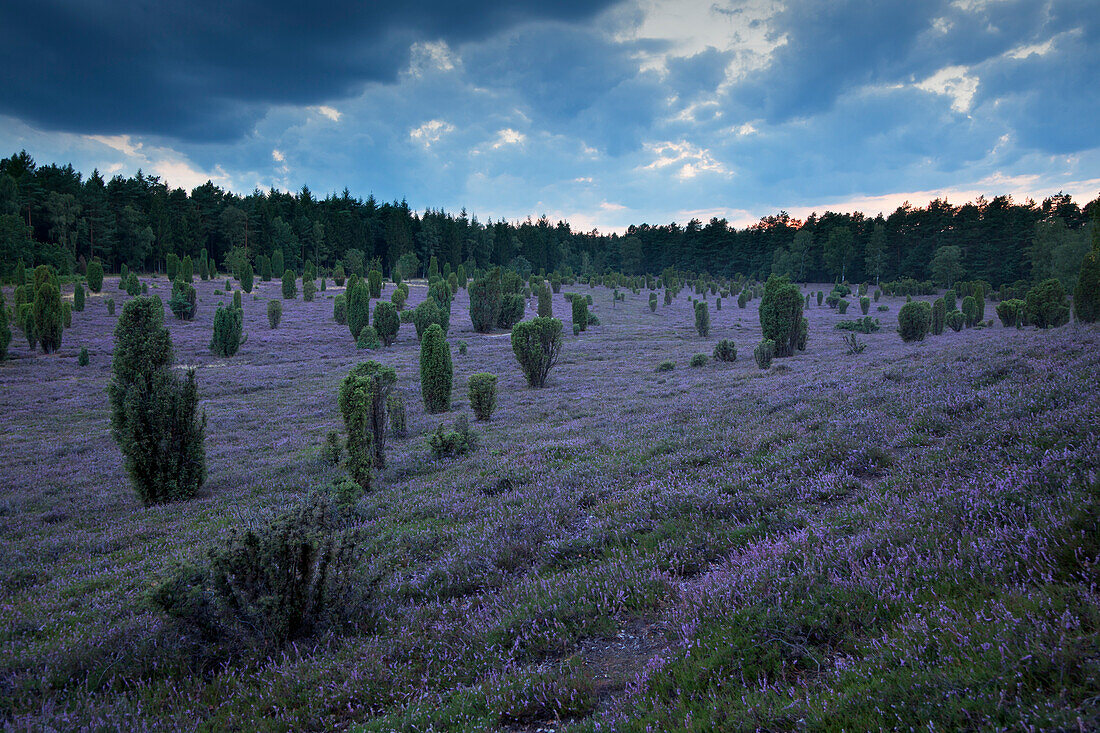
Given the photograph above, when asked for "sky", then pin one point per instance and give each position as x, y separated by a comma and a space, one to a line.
604, 114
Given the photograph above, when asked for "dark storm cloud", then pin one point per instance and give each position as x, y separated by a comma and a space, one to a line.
206, 70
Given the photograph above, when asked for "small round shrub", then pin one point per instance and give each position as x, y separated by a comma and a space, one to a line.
698, 360
914, 320
483, 395
462, 347
763, 353
666, 366
274, 313
956, 320
368, 339
398, 297
725, 350
387, 321
340, 309
842, 306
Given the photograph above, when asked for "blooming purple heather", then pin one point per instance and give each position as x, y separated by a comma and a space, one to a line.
898, 539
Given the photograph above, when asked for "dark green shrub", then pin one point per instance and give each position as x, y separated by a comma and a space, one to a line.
274, 313
546, 301
82, 360
26, 323
593, 319
309, 288
855, 346
154, 416
290, 285
702, 318
227, 337
580, 314
110, 306
94, 276
939, 316
387, 321
374, 283
436, 371
842, 306
485, 302
979, 301
5, 329
668, 297
364, 395
1010, 311
955, 320
247, 277
882, 308
132, 285
725, 350
277, 263
483, 395
368, 339
914, 319
462, 348
237, 299
555, 284
781, 315
266, 587
453, 443
427, 314
652, 302
182, 303
358, 308
49, 317
78, 298
537, 344
970, 311
398, 297
698, 360
1086, 295
763, 353
266, 269
512, 308
123, 276
878, 294
1046, 306
666, 366
861, 325
949, 300
187, 270
340, 309
820, 297
338, 274
333, 449
864, 304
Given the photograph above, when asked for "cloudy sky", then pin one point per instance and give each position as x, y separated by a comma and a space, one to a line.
603, 113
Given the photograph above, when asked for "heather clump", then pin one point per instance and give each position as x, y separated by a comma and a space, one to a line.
154, 416
666, 366
483, 395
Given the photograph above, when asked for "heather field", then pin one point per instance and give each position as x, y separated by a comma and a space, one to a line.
904, 538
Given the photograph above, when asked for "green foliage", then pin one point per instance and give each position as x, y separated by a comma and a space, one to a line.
970, 311
374, 283
486, 300
67, 314
49, 317
363, 399
702, 318
1046, 305
290, 285
864, 304
277, 263
462, 348
860, 325
546, 301
955, 320
94, 276
764, 353
537, 344
338, 274
5, 329
131, 284
820, 297
698, 360
110, 306
187, 269
483, 395
340, 309
123, 275
309, 288
154, 416
914, 320
725, 350
781, 315
26, 323
82, 360
580, 314
387, 321
949, 299
1086, 295
78, 298
182, 302
395, 406
939, 316
368, 339
274, 313
653, 302
1010, 312
358, 308
842, 306
436, 370
427, 314
666, 366
398, 297
228, 323
512, 308
855, 346
333, 449
453, 443
266, 272
269, 586
247, 277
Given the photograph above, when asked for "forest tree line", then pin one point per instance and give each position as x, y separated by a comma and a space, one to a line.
52, 214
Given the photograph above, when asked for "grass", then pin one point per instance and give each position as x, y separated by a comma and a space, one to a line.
896, 540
